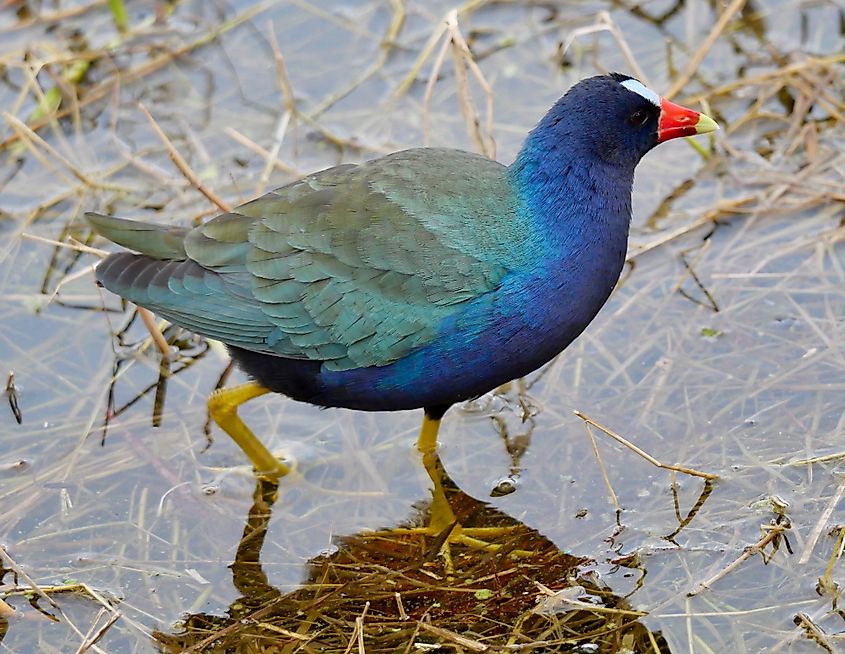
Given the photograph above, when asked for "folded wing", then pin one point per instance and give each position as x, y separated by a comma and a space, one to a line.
353, 266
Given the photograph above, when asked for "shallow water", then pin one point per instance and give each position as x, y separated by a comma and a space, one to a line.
152, 516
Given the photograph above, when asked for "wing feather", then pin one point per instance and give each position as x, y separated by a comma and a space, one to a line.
354, 266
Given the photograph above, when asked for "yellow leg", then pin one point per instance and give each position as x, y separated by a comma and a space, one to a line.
223, 407
427, 440
442, 516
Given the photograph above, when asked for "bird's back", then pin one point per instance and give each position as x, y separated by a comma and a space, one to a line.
352, 267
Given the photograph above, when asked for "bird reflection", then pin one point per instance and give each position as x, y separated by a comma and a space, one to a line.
392, 591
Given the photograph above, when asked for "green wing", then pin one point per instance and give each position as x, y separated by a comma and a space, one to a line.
353, 266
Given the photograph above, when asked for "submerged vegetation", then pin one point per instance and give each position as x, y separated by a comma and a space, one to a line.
123, 530
381, 593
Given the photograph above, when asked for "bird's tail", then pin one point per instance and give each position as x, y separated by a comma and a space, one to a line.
156, 241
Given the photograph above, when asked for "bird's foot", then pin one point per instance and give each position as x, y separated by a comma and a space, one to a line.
447, 543
287, 465
443, 527
283, 465
479, 538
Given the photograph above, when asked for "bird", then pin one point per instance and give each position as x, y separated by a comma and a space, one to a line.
419, 279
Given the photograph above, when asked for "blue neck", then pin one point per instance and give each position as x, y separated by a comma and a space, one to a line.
579, 211
573, 200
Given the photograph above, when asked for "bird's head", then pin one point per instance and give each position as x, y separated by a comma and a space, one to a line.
616, 119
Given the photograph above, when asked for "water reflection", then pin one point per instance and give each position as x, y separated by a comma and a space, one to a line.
391, 591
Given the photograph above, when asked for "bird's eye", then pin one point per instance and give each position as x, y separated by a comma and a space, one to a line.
638, 118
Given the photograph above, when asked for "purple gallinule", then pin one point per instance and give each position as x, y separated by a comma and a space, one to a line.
417, 280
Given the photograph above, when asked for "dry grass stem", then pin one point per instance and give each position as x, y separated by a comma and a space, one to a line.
78, 247
724, 208
282, 72
826, 580
336, 18
265, 154
57, 15
67, 279
695, 62
452, 637
604, 475
814, 632
155, 333
645, 455
554, 600
152, 65
605, 23
10, 563
357, 636
284, 120
400, 606
778, 75
273, 154
424, 56
387, 43
462, 59
822, 523
182, 165
433, 77
49, 102
773, 532
816, 459
93, 635
287, 633
89, 640
30, 138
